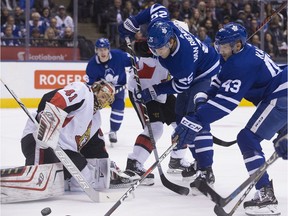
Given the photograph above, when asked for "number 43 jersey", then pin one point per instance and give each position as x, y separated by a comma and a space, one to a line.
249, 74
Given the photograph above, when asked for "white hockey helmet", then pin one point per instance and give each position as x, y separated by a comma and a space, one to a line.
103, 94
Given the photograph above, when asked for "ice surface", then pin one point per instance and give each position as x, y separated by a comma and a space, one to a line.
154, 200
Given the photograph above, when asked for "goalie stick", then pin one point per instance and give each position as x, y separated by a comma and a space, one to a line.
170, 185
204, 188
96, 196
143, 177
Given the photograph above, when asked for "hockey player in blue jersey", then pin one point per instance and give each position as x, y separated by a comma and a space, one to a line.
191, 64
246, 72
109, 64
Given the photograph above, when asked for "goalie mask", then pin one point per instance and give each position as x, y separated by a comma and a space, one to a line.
103, 94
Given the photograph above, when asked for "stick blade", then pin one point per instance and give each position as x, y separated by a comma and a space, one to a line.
219, 211
174, 187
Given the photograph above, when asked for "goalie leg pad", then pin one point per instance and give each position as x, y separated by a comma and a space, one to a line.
96, 172
31, 182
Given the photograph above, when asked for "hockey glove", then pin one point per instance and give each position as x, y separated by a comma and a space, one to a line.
199, 99
147, 94
51, 121
186, 131
281, 146
128, 28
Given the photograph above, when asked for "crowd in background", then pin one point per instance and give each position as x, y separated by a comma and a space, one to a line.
52, 24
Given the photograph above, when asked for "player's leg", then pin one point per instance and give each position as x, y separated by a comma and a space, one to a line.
116, 116
269, 118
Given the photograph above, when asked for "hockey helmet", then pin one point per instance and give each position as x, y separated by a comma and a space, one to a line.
159, 35
103, 94
102, 43
230, 33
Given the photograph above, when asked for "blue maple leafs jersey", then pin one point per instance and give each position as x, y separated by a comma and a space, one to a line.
190, 62
249, 74
113, 70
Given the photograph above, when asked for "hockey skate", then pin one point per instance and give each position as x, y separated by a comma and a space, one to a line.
119, 179
113, 137
177, 165
189, 173
263, 203
203, 175
134, 167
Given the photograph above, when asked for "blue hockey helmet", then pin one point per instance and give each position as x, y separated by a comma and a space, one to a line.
102, 43
231, 33
159, 35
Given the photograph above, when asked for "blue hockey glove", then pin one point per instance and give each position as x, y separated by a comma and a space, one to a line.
281, 146
128, 28
186, 131
147, 94
199, 99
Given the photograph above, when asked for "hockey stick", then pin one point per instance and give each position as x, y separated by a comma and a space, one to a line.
267, 19
221, 212
95, 196
222, 142
143, 177
174, 187
204, 188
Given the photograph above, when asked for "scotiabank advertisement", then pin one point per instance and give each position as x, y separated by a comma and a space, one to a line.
38, 54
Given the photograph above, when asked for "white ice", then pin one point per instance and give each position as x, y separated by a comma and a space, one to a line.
154, 200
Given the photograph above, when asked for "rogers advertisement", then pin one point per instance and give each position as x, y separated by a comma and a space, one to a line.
38, 54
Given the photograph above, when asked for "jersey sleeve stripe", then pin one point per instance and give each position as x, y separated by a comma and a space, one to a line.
281, 87
224, 109
156, 7
228, 99
208, 71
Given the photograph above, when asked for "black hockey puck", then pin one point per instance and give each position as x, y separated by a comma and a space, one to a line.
46, 211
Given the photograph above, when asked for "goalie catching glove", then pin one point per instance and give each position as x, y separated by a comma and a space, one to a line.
51, 121
186, 131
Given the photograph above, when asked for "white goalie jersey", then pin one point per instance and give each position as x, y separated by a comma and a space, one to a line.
150, 72
81, 123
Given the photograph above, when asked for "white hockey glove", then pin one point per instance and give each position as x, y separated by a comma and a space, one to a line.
51, 122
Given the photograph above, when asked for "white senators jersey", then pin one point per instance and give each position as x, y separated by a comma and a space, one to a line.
150, 73
81, 123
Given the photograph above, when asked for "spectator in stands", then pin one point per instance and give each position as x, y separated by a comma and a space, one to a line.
4, 15
129, 10
202, 35
211, 30
64, 20
270, 45
195, 22
15, 29
46, 16
39, 5
50, 39
255, 40
67, 39
84, 10
37, 23
9, 4
253, 26
53, 25
8, 39
275, 28
186, 11
19, 17
115, 16
202, 11
36, 38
